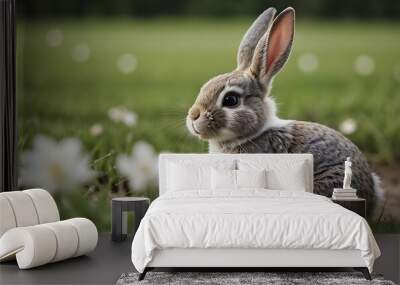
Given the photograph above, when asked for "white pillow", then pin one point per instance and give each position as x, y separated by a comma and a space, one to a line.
293, 180
191, 175
222, 179
251, 178
283, 174
181, 177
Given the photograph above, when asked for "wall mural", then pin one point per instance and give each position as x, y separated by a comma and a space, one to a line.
100, 96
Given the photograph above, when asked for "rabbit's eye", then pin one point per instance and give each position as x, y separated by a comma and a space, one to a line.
231, 99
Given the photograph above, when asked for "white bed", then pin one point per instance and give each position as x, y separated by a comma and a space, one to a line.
280, 225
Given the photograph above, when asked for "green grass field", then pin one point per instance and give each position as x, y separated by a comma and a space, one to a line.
62, 98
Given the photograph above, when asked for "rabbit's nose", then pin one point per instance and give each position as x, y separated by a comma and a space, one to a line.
194, 113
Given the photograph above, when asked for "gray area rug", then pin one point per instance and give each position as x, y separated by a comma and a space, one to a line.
232, 278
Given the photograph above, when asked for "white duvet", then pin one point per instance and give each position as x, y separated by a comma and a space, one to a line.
250, 219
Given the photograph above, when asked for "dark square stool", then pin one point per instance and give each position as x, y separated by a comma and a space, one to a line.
120, 206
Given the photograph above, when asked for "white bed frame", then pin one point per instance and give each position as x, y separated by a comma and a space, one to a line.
251, 258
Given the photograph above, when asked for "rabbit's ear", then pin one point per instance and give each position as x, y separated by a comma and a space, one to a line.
274, 47
252, 36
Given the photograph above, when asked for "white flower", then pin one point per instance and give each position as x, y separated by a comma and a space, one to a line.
364, 65
141, 167
126, 63
308, 62
115, 114
129, 118
80, 53
348, 126
123, 115
96, 130
55, 165
54, 38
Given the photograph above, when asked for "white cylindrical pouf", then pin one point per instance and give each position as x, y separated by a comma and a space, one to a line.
87, 234
40, 244
31, 232
45, 205
33, 246
67, 239
23, 208
7, 218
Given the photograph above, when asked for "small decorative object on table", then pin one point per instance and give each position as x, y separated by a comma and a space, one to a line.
346, 192
347, 196
120, 206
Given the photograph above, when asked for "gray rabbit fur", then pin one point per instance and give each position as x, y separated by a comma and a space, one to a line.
235, 113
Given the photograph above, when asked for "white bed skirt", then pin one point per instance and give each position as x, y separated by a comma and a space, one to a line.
226, 257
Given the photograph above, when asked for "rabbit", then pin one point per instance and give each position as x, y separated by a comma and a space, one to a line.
235, 114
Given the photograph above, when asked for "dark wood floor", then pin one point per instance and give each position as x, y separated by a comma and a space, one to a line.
110, 260
102, 266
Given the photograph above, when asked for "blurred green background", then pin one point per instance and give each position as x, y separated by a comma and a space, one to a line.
75, 63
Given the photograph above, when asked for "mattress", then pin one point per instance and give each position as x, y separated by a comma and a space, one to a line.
251, 219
